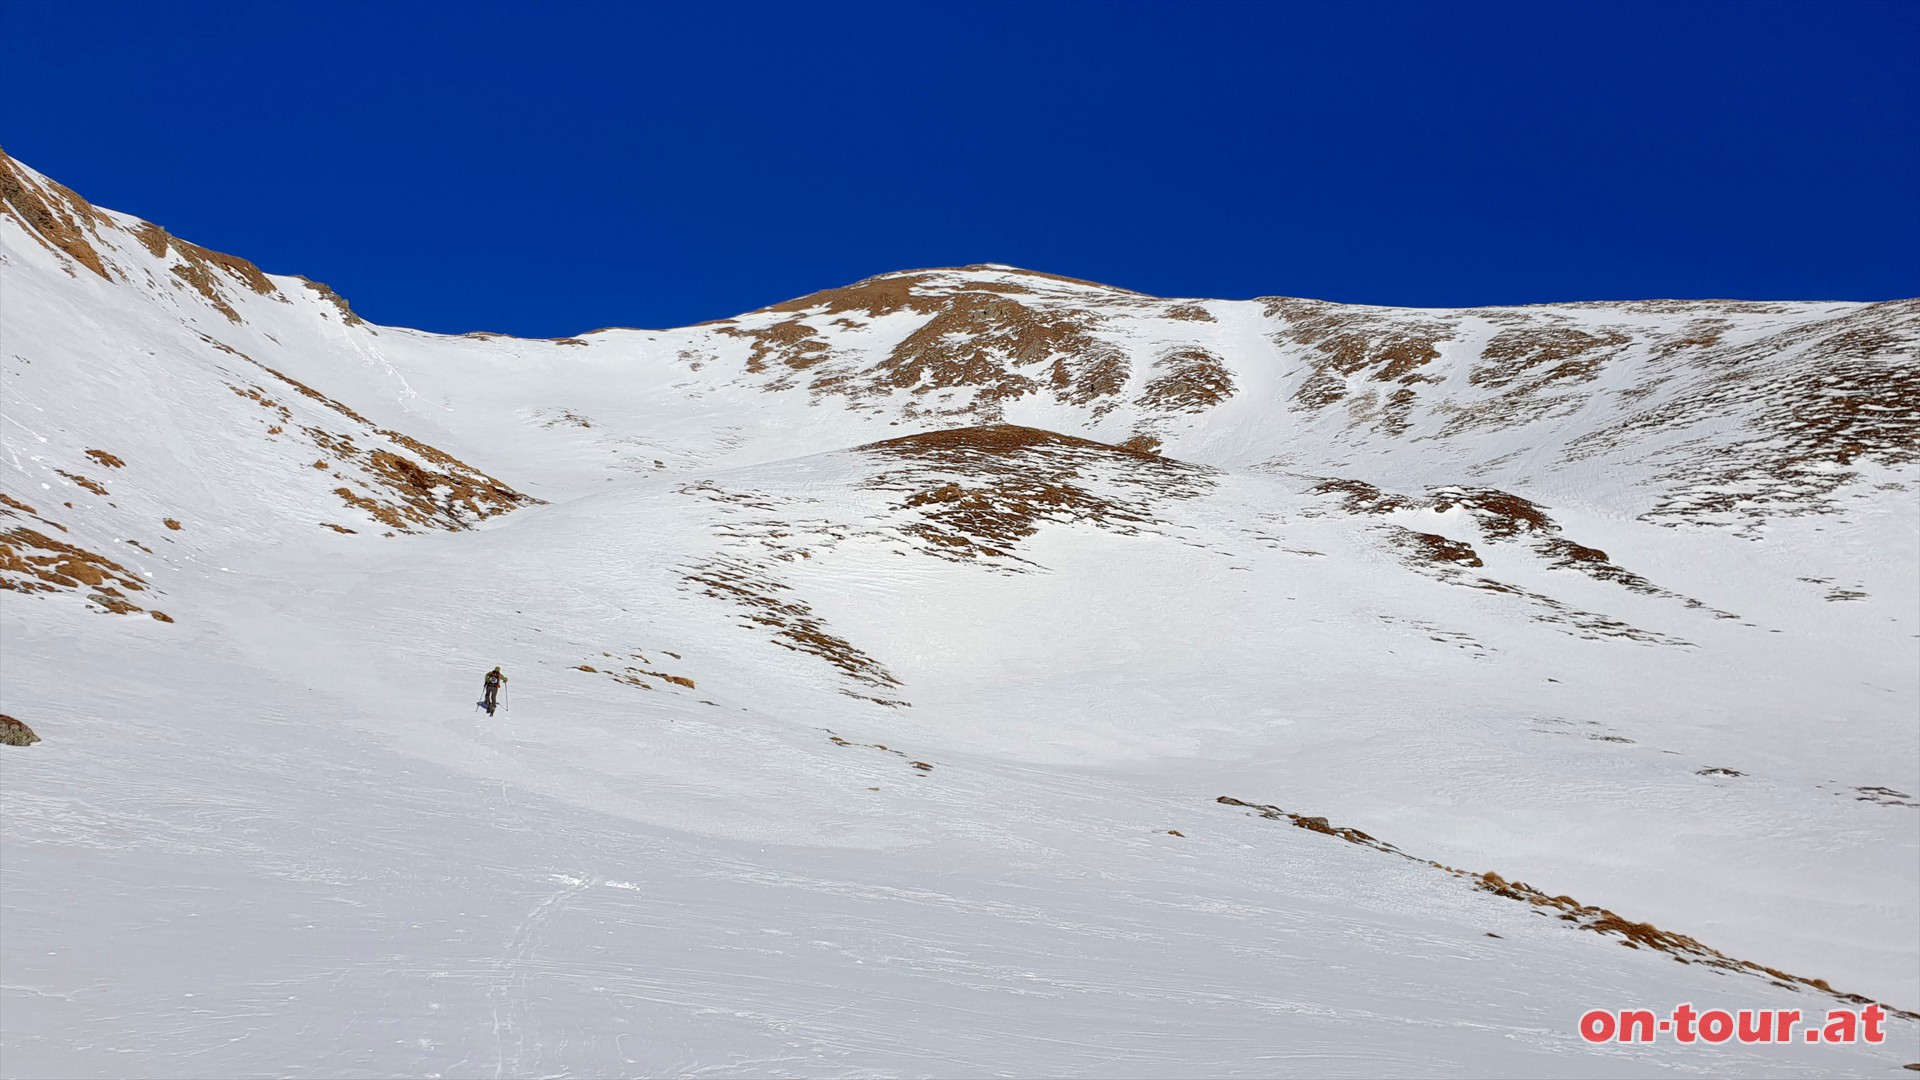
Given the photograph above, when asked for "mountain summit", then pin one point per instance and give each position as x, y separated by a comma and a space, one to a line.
961, 671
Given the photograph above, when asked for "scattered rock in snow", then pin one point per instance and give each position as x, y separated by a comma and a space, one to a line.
1017, 478
792, 621
31, 561
1585, 917
638, 676
1431, 547
836, 740
339, 302
91, 485
15, 733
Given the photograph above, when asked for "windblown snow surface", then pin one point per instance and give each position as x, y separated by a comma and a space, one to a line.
964, 672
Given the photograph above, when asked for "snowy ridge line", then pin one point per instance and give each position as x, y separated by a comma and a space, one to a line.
1633, 935
1724, 413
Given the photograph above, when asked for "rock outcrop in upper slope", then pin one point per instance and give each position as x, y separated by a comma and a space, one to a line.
1717, 413
977, 492
92, 502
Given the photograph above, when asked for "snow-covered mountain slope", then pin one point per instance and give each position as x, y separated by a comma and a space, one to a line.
964, 671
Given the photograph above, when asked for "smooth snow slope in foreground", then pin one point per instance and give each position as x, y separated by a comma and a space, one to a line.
1618, 600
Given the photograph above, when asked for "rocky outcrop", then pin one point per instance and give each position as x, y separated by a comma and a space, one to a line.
15, 733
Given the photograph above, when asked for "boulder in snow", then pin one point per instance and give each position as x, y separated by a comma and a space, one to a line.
15, 733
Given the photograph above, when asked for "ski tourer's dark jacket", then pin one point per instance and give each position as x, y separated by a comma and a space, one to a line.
494, 679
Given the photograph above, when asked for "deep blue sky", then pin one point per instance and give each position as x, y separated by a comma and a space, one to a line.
547, 169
